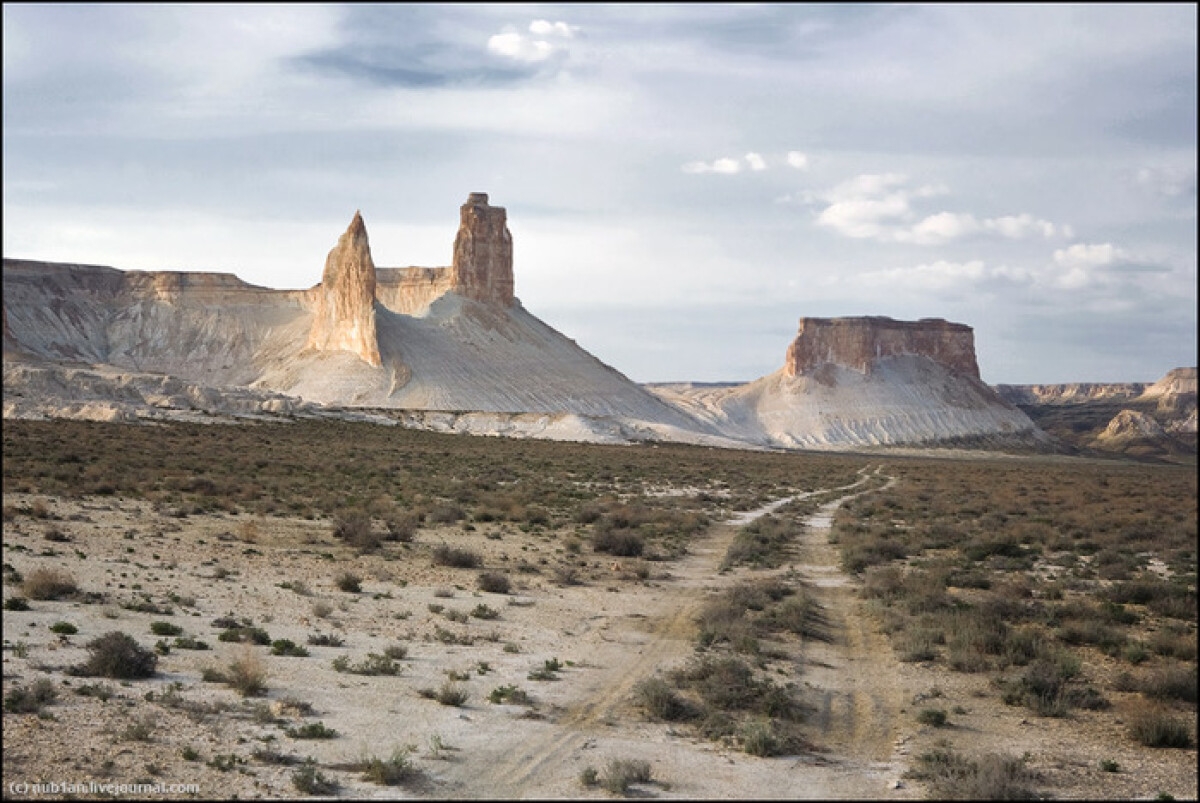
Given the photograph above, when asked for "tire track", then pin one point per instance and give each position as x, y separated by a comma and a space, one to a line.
633, 654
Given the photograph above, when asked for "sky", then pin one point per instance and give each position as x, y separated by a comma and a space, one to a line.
683, 182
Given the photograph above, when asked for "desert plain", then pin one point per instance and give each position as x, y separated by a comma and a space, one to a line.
342, 609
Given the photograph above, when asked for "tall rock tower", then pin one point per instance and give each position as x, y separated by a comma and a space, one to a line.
482, 267
345, 308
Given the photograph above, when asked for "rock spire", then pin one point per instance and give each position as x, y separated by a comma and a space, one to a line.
344, 317
482, 267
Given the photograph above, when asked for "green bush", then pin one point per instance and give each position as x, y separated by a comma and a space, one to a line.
310, 781
313, 730
932, 716
245, 635
388, 772
288, 647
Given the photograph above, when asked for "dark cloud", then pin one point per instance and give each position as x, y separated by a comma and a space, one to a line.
389, 68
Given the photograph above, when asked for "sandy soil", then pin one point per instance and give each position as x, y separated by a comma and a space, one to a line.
625, 622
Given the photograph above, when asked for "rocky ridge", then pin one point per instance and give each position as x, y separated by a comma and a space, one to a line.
452, 348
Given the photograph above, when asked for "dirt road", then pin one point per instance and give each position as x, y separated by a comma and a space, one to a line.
847, 679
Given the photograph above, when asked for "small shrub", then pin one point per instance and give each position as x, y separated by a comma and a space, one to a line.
247, 674
313, 730
140, 731
1175, 681
509, 694
953, 776
325, 640
30, 699
454, 557
619, 543
354, 527
589, 777
660, 701
547, 671
621, 773
373, 664
349, 582
309, 780
46, 584
1156, 727
64, 628
56, 535
289, 648
494, 582
16, 604
932, 716
190, 643
452, 694
758, 739
321, 609
245, 635
117, 655
483, 611
388, 772
165, 629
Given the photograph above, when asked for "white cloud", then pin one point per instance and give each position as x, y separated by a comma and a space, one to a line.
867, 206
723, 165
541, 46
797, 160
756, 161
880, 206
1083, 255
940, 228
1019, 227
547, 28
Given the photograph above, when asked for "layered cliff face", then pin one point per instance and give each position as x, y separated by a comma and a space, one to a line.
410, 291
1070, 393
859, 343
483, 255
344, 315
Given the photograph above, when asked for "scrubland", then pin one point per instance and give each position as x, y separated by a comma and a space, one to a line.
331, 608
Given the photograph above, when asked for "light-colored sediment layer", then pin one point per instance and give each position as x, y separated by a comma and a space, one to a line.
904, 399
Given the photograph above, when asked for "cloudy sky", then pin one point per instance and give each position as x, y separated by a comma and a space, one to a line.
683, 182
